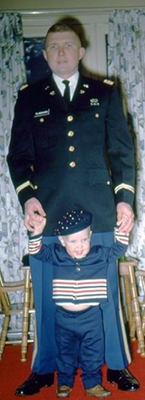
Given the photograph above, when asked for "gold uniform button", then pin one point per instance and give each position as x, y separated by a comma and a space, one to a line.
108, 183
70, 133
97, 115
78, 269
72, 164
70, 118
41, 119
35, 187
71, 148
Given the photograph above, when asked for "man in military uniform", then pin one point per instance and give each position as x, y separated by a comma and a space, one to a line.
57, 161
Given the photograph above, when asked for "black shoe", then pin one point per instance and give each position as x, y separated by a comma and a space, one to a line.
34, 383
124, 379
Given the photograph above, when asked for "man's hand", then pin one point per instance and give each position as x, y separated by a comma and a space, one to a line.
125, 217
33, 213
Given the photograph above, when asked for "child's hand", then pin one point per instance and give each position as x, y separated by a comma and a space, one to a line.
38, 226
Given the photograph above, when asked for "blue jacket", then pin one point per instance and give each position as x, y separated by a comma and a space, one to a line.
77, 281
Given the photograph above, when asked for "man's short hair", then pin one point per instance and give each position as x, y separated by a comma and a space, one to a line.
61, 27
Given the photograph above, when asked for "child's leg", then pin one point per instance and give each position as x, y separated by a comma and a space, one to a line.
92, 347
68, 348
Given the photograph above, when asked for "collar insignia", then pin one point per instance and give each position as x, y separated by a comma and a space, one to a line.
47, 87
82, 91
52, 93
94, 102
86, 85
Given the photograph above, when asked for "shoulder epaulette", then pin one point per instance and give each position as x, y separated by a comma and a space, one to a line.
108, 82
24, 86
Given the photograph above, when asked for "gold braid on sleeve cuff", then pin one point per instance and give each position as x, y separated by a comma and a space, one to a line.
24, 185
124, 186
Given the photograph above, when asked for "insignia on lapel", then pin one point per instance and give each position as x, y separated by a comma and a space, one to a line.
86, 85
108, 81
47, 87
52, 93
94, 102
82, 91
42, 113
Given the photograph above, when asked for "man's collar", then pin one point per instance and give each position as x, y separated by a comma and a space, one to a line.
73, 79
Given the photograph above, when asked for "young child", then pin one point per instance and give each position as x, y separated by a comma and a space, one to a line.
79, 286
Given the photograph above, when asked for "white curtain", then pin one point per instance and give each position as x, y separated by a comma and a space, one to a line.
13, 236
126, 65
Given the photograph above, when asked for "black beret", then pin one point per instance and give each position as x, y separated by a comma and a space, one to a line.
73, 222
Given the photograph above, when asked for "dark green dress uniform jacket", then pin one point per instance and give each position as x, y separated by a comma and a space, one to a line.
58, 153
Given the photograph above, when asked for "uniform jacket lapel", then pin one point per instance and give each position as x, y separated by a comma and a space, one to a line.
52, 93
79, 97
81, 93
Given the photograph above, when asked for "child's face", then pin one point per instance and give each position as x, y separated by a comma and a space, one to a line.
78, 244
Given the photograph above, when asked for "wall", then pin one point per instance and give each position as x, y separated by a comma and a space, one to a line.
95, 27
38, 16
68, 4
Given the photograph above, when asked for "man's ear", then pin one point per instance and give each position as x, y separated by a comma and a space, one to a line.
61, 240
81, 53
44, 55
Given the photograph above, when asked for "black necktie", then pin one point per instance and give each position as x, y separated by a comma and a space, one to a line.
66, 92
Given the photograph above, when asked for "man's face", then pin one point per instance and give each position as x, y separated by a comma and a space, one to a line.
78, 244
63, 52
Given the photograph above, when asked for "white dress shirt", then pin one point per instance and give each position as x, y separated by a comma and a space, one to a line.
61, 86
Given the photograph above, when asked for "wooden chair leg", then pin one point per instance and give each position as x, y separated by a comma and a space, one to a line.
141, 274
4, 334
143, 322
31, 298
131, 320
137, 315
25, 322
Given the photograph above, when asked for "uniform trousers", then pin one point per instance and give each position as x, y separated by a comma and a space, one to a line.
117, 353
80, 344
